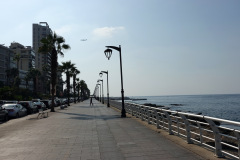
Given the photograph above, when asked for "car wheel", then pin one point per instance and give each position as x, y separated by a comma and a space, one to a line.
17, 115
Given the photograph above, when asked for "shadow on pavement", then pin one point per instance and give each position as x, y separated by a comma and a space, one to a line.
90, 117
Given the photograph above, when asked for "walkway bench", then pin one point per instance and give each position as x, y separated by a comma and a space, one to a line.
42, 114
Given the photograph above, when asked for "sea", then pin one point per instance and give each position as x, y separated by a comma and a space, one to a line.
224, 106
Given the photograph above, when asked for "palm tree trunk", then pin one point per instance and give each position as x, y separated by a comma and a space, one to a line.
78, 93
68, 87
74, 95
54, 65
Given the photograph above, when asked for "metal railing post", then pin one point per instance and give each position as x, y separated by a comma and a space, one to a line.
157, 119
137, 111
142, 113
217, 137
148, 115
237, 134
169, 123
188, 130
200, 132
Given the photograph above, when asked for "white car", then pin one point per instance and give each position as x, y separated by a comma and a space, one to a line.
15, 110
39, 104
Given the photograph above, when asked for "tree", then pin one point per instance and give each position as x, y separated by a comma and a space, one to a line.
85, 92
11, 76
34, 74
78, 88
45, 68
17, 58
54, 45
74, 72
27, 78
66, 68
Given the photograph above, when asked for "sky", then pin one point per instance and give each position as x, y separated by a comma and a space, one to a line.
169, 47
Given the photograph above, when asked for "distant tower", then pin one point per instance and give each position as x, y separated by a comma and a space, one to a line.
41, 30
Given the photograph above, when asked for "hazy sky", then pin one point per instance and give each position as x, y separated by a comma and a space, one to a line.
169, 47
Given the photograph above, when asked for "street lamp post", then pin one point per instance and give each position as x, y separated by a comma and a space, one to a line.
101, 73
95, 92
102, 91
108, 53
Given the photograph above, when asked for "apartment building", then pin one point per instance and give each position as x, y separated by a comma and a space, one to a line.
27, 56
42, 60
26, 62
6, 63
41, 30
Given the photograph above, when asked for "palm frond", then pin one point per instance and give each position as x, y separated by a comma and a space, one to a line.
65, 46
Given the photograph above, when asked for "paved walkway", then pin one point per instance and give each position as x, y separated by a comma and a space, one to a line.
81, 132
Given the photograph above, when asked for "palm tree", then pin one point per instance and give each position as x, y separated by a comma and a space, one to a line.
85, 92
17, 58
78, 88
34, 74
53, 44
45, 69
66, 68
11, 76
17, 80
27, 78
74, 72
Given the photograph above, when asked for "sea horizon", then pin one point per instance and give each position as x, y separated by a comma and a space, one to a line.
224, 106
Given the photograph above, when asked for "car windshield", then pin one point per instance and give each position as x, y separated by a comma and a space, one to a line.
8, 106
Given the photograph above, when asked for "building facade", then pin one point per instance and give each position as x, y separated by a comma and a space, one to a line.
42, 60
26, 62
6, 63
27, 56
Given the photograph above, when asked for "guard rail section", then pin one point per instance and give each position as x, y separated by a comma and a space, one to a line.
220, 135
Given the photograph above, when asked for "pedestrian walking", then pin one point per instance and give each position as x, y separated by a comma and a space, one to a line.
91, 103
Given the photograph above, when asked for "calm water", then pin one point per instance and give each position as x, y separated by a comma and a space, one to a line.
220, 106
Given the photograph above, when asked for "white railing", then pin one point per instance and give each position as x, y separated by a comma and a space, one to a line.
213, 133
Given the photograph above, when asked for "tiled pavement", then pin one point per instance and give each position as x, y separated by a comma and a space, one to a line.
83, 132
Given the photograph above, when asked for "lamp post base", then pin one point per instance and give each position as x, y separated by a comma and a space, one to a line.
123, 113
108, 105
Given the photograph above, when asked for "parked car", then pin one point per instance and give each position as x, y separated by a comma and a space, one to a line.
55, 103
58, 102
47, 103
40, 105
36, 100
31, 108
15, 110
10, 102
3, 114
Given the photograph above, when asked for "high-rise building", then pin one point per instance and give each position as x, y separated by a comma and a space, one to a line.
27, 56
6, 63
42, 60
41, 30
25, 63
